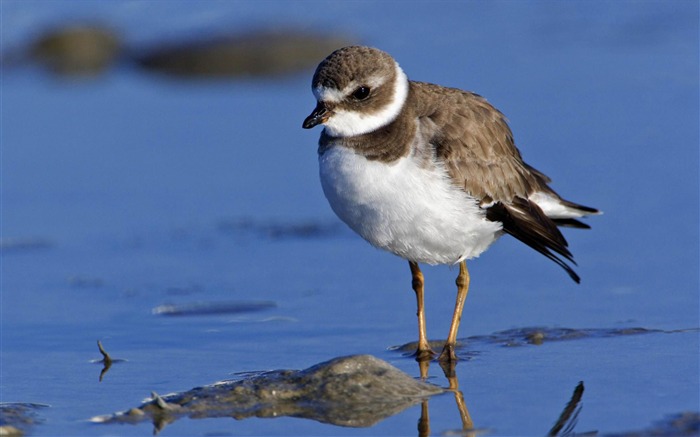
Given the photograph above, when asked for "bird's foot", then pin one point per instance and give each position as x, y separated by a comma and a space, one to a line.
448, 361
448, 354
424, 354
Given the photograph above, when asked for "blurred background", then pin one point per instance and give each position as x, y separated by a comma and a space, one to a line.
159, 194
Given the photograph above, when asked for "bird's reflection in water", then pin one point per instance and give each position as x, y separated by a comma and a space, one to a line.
564, 425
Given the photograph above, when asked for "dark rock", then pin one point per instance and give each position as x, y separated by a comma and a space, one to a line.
259, 53
78, 50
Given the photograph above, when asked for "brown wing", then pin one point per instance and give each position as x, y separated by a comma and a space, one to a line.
474, 141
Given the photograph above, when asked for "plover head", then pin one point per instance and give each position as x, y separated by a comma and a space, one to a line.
358, 90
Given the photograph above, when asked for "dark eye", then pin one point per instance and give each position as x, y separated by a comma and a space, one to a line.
361, 93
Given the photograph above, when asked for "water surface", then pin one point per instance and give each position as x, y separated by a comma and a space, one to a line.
131, 191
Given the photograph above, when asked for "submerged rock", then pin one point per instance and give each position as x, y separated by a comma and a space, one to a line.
353, 391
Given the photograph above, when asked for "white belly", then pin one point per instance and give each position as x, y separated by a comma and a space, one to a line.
413, 212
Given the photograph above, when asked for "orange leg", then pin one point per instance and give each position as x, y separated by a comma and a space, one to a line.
448, 352
423, 352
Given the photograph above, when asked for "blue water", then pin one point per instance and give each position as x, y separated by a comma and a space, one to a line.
118, 187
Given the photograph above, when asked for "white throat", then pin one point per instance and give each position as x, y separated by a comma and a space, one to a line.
350, 123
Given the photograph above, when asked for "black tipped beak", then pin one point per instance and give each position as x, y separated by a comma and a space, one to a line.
319, 115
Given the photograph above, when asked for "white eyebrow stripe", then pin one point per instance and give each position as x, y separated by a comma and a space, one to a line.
329, 95
332, 95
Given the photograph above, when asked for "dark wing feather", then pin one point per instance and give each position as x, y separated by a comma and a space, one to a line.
525, 221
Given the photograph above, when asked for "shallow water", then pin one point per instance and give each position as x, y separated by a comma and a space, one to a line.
129, 192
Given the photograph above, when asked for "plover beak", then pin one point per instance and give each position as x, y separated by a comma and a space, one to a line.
319, 115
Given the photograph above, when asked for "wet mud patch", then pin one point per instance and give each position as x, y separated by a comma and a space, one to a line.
279, 230
681, 424
535, 336
85, 282
212, 308
352, 391
540, 335
25, 244
238, 229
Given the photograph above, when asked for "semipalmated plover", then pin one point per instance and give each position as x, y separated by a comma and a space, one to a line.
428, 173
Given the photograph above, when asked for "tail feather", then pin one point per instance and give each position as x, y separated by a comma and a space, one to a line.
571, 223
556, 208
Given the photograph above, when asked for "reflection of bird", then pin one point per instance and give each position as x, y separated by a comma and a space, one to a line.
428, 173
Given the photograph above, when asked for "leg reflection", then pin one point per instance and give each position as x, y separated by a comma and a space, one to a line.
424, 421
448, 369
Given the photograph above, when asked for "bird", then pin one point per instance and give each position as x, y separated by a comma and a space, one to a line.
429, 173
